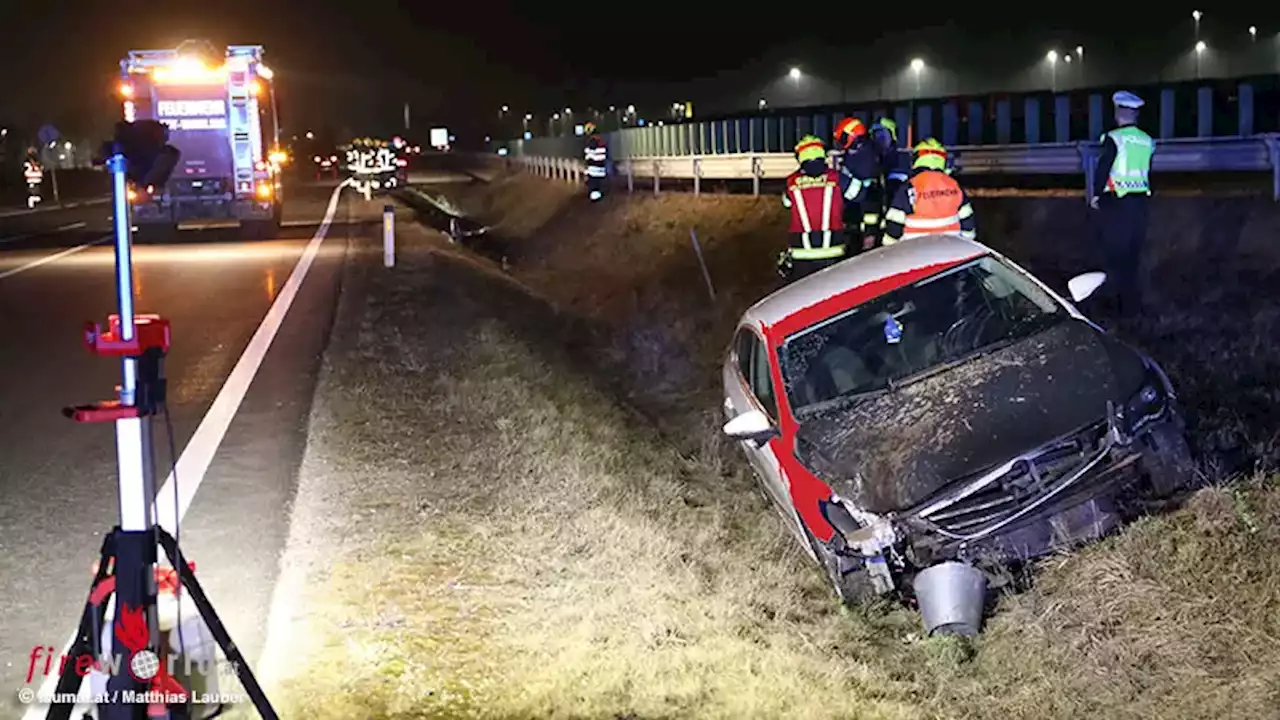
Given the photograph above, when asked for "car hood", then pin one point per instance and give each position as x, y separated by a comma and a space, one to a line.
891, 452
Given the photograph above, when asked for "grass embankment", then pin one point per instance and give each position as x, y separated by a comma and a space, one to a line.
507, 539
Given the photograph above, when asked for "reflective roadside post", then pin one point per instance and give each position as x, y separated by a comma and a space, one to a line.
388, 235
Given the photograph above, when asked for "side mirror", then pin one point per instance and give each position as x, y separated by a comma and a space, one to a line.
1082, 286
751, 426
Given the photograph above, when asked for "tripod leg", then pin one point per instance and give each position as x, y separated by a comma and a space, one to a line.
216, 628
87, 636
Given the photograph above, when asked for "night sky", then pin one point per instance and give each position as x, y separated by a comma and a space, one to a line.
350, 65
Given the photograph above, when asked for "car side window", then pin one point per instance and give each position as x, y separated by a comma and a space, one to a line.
753, 363
762, 380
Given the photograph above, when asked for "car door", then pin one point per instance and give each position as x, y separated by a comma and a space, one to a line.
748, 386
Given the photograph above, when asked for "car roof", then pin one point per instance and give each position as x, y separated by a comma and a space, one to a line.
898, 259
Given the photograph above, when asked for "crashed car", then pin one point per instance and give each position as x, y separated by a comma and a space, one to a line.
928, 415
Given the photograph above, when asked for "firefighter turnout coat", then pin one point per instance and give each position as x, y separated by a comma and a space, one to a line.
817, 215
930, 203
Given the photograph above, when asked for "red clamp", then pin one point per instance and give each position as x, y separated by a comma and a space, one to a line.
149, 332
105, 411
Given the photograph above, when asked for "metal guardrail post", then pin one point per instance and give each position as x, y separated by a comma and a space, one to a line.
631, 179
657, 171
757, 169
697, 176
1273, 154
1087, 161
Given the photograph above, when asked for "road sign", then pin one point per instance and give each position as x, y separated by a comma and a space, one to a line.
48, 134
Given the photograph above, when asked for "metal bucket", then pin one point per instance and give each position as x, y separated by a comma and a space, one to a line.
952, 596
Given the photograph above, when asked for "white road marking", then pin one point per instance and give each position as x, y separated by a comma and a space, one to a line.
198, 454
54, 257
24, 236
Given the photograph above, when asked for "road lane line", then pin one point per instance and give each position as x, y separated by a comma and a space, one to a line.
198, 454
24, 236
53, 258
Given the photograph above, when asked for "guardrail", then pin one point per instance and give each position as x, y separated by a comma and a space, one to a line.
1258, 153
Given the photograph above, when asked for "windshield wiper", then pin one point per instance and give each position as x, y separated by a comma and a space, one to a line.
951, 364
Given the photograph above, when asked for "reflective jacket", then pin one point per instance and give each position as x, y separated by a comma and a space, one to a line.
32, 172
596, 156
817, 214
932, 202
1125, 161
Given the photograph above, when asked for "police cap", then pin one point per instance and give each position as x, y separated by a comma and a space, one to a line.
1126, 99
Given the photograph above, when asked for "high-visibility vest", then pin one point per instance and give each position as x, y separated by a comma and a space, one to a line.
817, 214
1130, 170
596, 156
32, 172
938, 205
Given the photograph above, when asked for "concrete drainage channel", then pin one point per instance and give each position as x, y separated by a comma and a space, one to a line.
437, 212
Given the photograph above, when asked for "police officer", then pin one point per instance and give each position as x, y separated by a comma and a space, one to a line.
1125, 162
860, 180
817, 212
596, 156
930, 202
34, 176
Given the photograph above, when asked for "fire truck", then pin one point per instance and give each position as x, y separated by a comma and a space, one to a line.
220, 108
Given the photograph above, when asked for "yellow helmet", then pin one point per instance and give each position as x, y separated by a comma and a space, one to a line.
931, 155
809, 148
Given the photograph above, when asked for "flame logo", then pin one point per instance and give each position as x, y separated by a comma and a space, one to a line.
131, 628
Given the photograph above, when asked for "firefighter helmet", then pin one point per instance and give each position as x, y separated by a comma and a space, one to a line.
848, 131
810, 148
930, 154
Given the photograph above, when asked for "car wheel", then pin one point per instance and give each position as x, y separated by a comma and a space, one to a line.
1166, 458
852, 586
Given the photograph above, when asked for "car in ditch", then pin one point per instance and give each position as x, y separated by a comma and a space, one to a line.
929, 416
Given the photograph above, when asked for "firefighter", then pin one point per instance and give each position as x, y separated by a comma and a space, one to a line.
894, 164
930, 202
34, 175
860, 179
596, 155
1125, 162
817, 212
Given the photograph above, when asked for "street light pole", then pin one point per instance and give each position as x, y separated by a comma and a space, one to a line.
1052, 57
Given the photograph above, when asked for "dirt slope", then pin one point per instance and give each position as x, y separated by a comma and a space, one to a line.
486, 529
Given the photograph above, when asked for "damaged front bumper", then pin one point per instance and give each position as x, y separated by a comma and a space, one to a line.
1062, 494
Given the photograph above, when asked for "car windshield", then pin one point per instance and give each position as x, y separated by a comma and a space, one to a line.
959, 313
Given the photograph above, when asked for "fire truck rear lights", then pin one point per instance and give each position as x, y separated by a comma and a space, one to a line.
318, 158
264, 191
126, 90
255, 87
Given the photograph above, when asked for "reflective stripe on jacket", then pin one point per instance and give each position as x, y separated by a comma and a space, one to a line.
816, 203
931, 203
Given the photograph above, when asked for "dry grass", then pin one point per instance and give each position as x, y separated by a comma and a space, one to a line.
509, 540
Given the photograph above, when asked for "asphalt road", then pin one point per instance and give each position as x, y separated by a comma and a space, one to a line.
58, 479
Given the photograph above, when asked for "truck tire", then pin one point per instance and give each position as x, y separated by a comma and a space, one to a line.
259, 229
154, 234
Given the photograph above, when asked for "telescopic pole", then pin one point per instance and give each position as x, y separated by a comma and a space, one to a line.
135, 589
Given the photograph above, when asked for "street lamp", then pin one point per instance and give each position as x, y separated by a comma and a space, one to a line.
1196, 15
763, 103
1253, 33
1200, 48
311, 135
795, 74
1052, 57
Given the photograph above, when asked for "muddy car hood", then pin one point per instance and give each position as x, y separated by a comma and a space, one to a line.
891, 452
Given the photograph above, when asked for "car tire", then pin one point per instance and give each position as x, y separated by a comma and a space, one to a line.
1166, 458
854, 588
